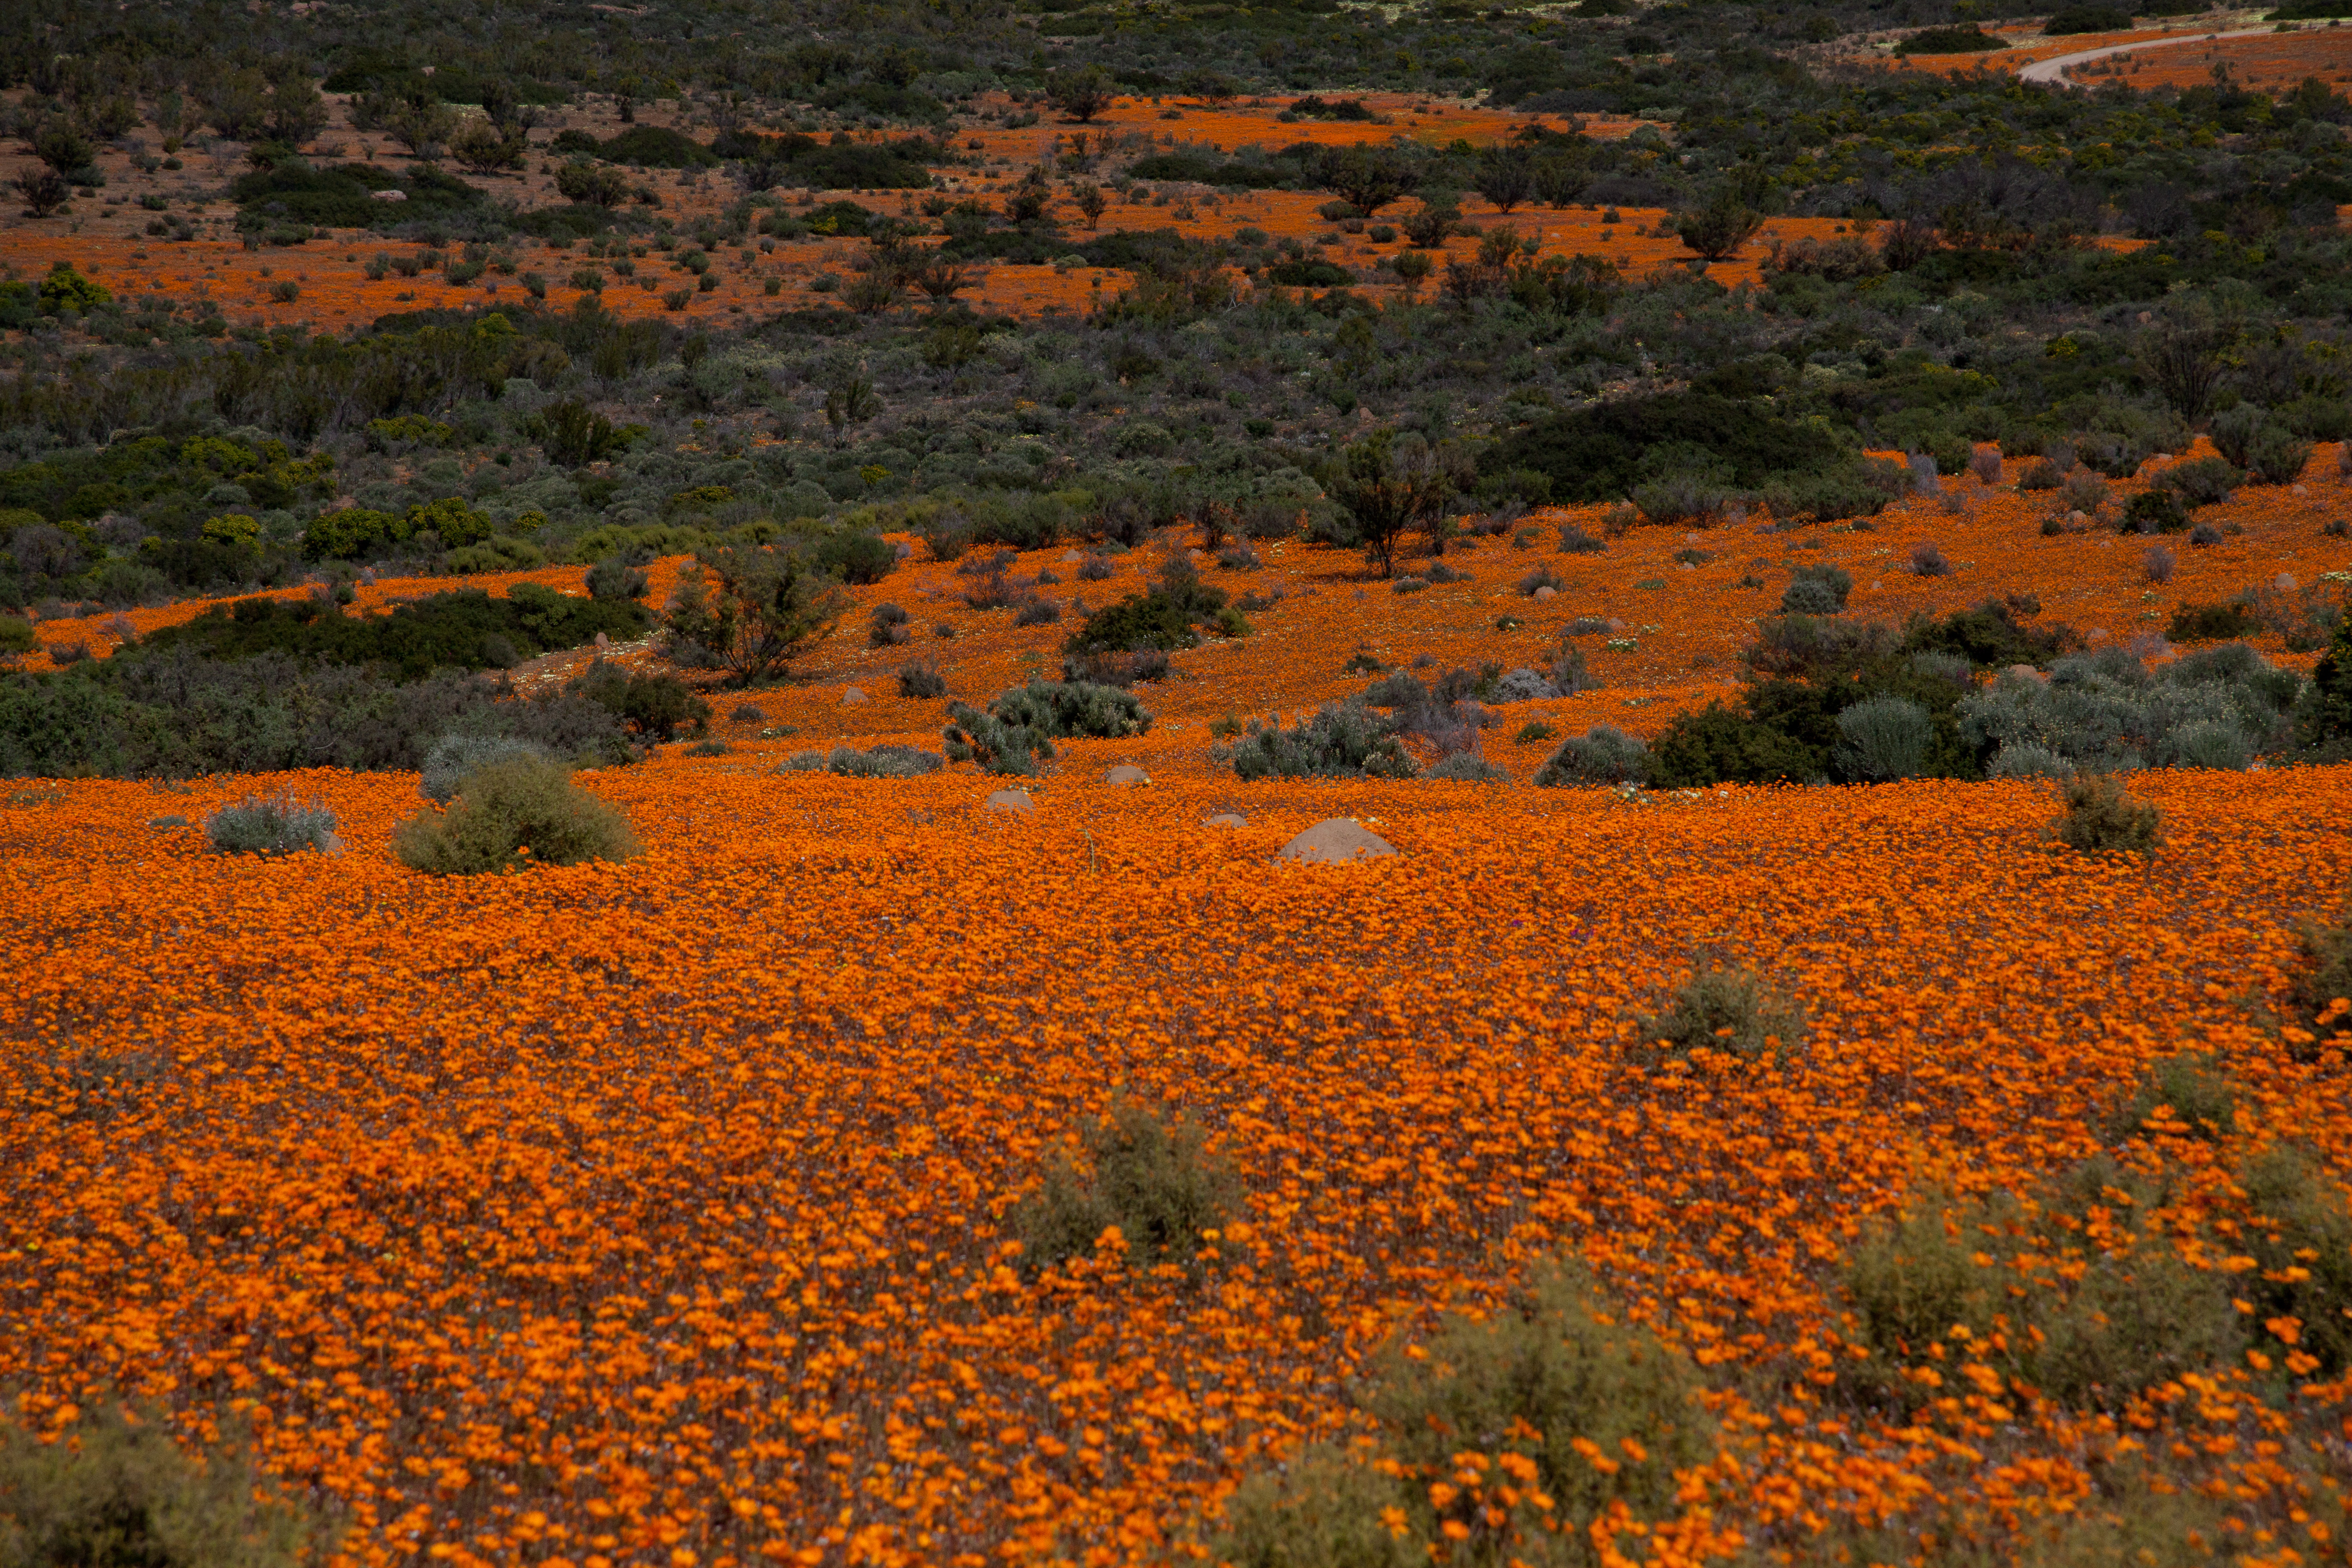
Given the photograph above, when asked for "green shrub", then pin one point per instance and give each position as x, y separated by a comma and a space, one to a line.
1719, 745
2303, 1240
1962, 40
1467, 767
2201, 481
1604, 754
1556, 1396
2200, 1095
2155, 511
883, 762
1730, 1009
615, 580
2211, 623
1059, 709
453, 757
1817, 591
861, 558
510, 815
2084, 1321
656, 706
16, 635
1023, 723
270, 825
1137, 621
1151, 1175
115, 1493
1337, 742
1883, 738
2100, 815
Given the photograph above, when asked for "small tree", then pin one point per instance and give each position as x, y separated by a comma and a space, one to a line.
1367, 178
236, 103
1390, 485
64, 149
941, 278
1082, 93
771, 605
1720, 225
482, 148
44, 190
1088, 199
2184, 353
1506, 176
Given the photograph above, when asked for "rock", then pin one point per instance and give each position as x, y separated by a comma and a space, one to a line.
2302, 490
1226, 819
2286, 581
851, 694
387, 196
2077, 516
1069, 557
1339, 838
1015, 801
2026, 672
602, 642
330, 843
1127, 773
1546, 593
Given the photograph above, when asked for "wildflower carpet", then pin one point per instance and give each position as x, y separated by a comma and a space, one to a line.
659, 1212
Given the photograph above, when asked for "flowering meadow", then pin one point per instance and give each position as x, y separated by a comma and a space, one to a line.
657, 1213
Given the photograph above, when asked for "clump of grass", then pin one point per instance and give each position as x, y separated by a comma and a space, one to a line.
921, 678
1150, 1174
519, 812
2301, 1237
2100, 815
1727, 1008
270, 825
116, 1492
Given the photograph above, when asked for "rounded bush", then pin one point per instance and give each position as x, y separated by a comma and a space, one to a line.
453, 757
519, 812
1604, 754
1884, 737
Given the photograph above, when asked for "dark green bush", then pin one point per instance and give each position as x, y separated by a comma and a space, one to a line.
1964, 40
1602, 755
463, 629
860, 558
1025, 722
615, 579
1722, 745
657, 705
510, 815
1601, 453
1137, 621
883, 762
2211, 623
1151, 1174
112, 1492
2087, 19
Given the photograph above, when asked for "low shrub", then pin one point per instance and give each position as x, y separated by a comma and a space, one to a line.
883, 762
1883, 738
1021, 724
1150, 1174
2191, 1084
1517, 1430
1727, 1008
656, 706
713, 747
111, 1492
270, 825
1037, 613
2026, 1289
615, 579
453, 757
921, 678
1467, 767
1343, 740
2302, 1238
2155, 511
1602, 755
2101, 815
2201, 481
510, 815
1817, 591
2211, 623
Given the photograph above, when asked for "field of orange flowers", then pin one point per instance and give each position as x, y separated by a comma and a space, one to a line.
657, 1214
